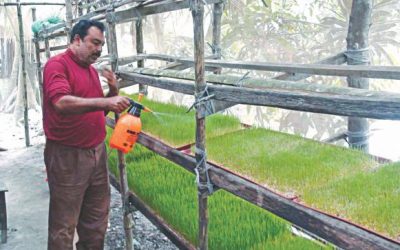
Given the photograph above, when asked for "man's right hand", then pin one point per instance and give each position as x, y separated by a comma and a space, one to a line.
117, 104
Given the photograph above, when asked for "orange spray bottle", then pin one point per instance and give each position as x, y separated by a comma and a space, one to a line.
127, 129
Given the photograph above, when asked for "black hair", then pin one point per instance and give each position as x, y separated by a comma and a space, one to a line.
82, 27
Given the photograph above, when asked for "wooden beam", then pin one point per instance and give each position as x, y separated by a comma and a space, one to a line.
43, 35
341, 233
162, 7
103, 10
181, 66
175, 66
176, 238
332, 60
291, 95
255, 83
49, 31
381, 72
31, 3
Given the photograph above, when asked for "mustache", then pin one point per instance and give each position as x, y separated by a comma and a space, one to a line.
98, 54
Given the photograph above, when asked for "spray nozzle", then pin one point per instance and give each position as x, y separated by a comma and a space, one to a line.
136, 108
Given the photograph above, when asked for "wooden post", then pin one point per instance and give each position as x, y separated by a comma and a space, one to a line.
68, 13
358, 54
2, 56
3, 213
25, 94
47, 47
139, 50
197, 8
38, 63
79, 7
113, 52
216, 39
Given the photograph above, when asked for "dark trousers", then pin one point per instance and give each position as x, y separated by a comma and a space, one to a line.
79, 196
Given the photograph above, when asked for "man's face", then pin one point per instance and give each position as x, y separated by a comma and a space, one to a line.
89, 49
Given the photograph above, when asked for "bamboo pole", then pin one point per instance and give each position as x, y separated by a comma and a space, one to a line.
25, 94
140, 50
357, 54
128, 222
38, 63
197, 8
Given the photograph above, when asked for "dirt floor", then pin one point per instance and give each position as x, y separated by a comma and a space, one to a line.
23, 172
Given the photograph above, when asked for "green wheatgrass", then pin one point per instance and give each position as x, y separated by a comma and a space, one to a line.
234, 223
340, 181
370, 198
173, 125
286, 163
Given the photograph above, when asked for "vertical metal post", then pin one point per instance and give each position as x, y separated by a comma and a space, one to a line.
25, 94
139, 50
358, 54
113, 52
37, 54
197, 8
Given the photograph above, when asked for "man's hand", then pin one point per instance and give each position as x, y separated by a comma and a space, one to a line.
117, 103
111, 81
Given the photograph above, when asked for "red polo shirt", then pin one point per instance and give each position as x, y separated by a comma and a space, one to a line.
65, 75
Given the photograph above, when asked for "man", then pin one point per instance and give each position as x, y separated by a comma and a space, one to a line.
74, 110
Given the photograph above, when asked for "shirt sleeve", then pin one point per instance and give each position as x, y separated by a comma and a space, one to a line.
56, 84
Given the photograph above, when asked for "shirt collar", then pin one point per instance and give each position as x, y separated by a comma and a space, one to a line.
76, 59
